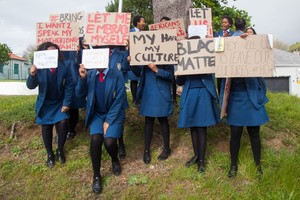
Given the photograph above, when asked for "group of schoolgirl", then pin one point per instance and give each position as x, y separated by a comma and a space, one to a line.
70, 85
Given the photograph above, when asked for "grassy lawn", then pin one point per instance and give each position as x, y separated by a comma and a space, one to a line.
23, 174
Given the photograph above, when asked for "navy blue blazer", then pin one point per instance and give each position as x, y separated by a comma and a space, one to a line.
70, 59
120, 57
64, 83
114, 95
220, 33
256, 89
208, 81
134, 72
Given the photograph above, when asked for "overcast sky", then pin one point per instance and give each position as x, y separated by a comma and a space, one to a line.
18, 18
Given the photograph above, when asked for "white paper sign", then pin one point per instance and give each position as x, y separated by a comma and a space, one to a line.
197, 30
95, 58
45, 59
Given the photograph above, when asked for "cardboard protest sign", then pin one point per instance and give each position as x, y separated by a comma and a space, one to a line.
197, 30
250, 57
69, 17
177, 24
95, 58
107, 29
45, 59
158, 47
202, 16
225, 98
196, 56
64, 34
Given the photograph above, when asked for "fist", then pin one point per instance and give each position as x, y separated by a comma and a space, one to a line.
33, 70
82, 71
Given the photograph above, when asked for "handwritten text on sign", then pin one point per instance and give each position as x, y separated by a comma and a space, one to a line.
107, 28
95, 58
202, 16
158, 47
45, 59
65, 35
177, 24
70, 17
195, 57
250, 57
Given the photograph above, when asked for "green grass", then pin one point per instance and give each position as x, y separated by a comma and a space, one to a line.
23, 174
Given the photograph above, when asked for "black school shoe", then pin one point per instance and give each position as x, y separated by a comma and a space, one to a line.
147, 157
232, 172
50, 161
60, 156
116, 168
70, 136
164, 154
97, 187
192, 161
201, 167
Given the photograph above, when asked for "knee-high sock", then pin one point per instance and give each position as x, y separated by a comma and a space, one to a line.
62, 131
253, 132
149, 121
235, 139
47, 137
164, 124
96, 153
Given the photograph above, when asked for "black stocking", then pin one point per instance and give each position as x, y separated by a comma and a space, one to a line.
164, 124
96, 152
62, 131
47, 137
73, 120
133, 89
202, 135
253, 132
235, 139
149, 121
111, 147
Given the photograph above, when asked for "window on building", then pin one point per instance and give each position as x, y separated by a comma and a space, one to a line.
16, 68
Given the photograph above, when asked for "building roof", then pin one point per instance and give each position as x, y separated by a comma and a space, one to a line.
284, 58
15, 57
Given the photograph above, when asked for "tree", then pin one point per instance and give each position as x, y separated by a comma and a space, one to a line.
295, 47
219, 9
135, 7
4, 54
28, 53
280, 45
145, 8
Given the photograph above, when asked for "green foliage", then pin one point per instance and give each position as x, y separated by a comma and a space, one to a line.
17, 108
219, 9
135, 7
4, 54
23, 174
138, 179
295, 47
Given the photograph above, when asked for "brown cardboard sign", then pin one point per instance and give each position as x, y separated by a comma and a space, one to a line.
69, 17
202, 16
64, 34
177, 24
249, 57
159, 47
107, 29
196, 56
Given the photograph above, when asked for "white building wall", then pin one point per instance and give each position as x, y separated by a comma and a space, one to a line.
294, 73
